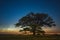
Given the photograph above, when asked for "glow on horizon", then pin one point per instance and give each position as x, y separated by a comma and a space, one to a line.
13, 30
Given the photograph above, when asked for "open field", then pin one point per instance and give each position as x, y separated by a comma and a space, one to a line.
29, 37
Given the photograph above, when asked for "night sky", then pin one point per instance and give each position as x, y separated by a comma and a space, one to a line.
12, 10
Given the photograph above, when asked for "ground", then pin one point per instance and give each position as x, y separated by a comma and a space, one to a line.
29, 37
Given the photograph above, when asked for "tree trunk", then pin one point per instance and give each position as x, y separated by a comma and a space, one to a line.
33, 32
34, 29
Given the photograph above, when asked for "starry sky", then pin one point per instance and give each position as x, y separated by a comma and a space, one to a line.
12, 10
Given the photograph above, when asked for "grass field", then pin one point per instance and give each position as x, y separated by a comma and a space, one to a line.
29, 37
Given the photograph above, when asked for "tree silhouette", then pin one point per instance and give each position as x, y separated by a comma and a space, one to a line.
36, 21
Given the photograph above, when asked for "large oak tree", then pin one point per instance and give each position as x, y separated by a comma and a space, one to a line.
36, 21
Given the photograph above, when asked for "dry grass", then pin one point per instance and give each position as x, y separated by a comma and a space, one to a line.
29, 37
